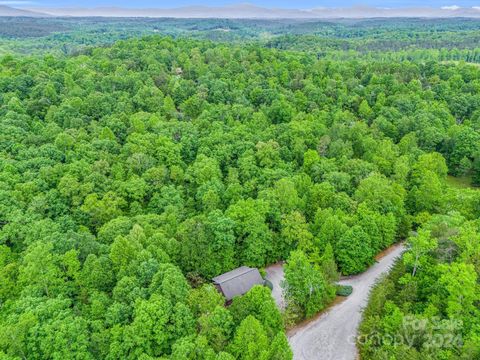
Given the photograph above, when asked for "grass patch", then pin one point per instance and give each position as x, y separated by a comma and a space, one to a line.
456, 62
459, 182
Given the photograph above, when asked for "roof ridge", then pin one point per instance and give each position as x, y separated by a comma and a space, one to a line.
233, 276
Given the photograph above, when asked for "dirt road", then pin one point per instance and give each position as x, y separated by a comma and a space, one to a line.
332, 335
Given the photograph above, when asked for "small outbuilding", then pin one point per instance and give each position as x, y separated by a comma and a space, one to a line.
238, 281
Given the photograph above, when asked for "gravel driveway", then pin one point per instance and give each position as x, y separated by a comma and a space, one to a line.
275, 276
332, 335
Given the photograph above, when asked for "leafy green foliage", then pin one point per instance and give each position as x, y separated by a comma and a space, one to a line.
306, 287
431, 294
132, 174
259, 303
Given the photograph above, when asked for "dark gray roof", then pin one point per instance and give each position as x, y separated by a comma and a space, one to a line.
238, 281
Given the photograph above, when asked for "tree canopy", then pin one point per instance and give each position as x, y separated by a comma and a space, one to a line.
132, 174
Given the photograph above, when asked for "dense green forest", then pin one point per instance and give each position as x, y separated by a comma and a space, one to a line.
392, 39
133, 173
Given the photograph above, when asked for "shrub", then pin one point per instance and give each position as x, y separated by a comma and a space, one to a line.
344, 290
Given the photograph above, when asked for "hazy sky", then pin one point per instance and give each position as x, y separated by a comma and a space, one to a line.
303, 4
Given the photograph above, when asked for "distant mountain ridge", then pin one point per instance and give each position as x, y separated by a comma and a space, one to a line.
247, 11
11, 11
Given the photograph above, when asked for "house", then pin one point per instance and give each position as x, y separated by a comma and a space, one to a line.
238, 281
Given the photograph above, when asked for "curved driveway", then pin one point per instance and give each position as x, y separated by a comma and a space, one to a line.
332, 335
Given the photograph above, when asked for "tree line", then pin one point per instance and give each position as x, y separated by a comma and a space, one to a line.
133, 174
